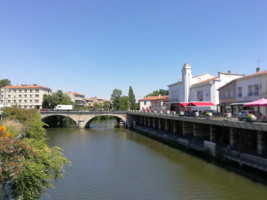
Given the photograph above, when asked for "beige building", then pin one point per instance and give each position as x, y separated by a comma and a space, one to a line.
154, 103
90, 101
23, 96
77, 98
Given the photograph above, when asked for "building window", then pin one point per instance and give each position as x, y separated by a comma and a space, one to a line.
8, 101
25, 95
25, 106
232, 93
30, 90
15, 90
30, 95
25, 90
9, 96
20, 101
250, 93
37, 95
256, 90
200, 95
144, 102
239, 91
36, 101
30, 100
25, 101
36, 90
19, 90
19, 95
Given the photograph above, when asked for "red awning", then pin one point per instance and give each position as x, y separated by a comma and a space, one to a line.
201, 103
183, 104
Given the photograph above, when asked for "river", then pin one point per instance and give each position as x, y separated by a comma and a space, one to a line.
118, 164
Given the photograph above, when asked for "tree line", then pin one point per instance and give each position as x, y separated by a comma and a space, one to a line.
123, 102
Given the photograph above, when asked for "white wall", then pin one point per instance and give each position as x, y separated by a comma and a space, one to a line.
244, 83
264, 86
143, 106
176, 92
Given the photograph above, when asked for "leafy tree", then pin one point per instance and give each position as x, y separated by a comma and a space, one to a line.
159, 92
58, 98
115, 98
132, 100
5, 82
96, 106
28, 165
106, 105
124, 103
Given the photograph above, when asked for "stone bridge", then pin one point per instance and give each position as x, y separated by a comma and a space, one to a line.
84, 118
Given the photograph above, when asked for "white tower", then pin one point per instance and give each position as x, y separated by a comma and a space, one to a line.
186, 78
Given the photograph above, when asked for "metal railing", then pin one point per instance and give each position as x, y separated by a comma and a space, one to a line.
215, 116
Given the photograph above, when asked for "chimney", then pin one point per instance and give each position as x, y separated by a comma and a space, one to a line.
258, 69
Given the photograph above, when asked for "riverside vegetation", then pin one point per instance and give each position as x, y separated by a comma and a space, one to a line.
27, 164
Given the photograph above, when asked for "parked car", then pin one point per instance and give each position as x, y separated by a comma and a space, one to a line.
43, 109
260, 117
244, 113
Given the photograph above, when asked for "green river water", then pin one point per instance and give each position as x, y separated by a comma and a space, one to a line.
115, 163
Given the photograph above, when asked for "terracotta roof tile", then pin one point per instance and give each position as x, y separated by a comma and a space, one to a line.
151, 98
251, 75
75, 93
26, 86
211, 79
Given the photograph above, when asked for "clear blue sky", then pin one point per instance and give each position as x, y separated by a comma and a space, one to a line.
94, 46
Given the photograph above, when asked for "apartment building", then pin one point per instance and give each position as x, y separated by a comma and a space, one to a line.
243, 90
77, 98
23, 96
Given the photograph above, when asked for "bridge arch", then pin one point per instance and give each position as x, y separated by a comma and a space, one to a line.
44, 118
91, 118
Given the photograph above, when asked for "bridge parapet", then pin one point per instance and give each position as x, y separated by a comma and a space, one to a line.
82, 118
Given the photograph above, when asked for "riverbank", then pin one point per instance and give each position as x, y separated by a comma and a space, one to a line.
196, 148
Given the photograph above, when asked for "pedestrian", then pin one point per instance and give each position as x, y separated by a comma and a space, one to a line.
228, 147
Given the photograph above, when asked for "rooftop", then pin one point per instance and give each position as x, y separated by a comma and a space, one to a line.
75, 93
34, 86
151, 98
210, 79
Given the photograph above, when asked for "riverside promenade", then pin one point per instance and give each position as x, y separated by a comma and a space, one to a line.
246, 140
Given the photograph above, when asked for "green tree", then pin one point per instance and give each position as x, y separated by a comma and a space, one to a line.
132, 100
96, 106
57, 98
106, 105
115, 98
5, 82
28, 165
123, 103
159, 92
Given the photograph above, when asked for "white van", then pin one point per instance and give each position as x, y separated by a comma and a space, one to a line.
63, 107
